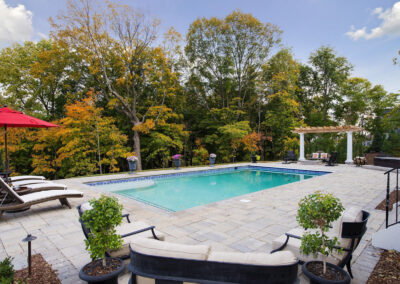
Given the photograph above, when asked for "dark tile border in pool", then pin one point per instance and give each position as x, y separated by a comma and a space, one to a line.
250, 167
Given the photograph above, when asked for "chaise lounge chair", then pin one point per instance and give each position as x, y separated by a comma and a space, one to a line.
332, 159
290, 157
349, 230
128, 231
164, 262
22, 202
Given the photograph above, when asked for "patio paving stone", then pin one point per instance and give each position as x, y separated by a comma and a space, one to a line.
229, 225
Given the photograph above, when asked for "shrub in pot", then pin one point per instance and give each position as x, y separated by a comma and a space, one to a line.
317, 212
212, 159
102, 220
177, 161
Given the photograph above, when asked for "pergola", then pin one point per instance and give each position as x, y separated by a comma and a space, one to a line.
349, 129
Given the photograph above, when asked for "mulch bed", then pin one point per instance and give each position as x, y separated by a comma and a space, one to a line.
387, 270
392, 200
42, 273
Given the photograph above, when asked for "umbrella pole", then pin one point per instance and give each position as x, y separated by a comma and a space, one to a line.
6, 154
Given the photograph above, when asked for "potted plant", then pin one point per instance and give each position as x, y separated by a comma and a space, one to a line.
212, 159
177, 161
132, 163
318, 211
102, 220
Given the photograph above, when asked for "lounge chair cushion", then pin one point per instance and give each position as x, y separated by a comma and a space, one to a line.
166, 249
352, 214
126, 228
293, 246
278, 258
49, 194
44, 186
19, 178
315, 155
85, 206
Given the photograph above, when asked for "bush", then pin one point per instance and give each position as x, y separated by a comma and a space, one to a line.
318, 211
6, 271
101, 221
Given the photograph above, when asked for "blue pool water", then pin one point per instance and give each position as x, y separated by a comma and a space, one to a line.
186, 191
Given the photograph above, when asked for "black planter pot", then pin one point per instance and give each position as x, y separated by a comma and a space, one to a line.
110, 278
212, 161
254, 159
314, 279
177, 163
132, 166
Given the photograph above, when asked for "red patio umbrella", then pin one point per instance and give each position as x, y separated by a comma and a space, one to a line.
13, 118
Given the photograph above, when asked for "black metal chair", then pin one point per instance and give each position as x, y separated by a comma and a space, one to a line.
350, 230
178, 270
86, 231
332, 159
290, 156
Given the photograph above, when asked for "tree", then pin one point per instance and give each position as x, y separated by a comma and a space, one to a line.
282, 110
117, 43
231, 139
41, 77
330, 72
89, 140
226, 56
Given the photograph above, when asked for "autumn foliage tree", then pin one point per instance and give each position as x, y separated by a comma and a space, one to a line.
90, 142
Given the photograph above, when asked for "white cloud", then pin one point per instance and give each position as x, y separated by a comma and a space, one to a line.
390, 24
15, 23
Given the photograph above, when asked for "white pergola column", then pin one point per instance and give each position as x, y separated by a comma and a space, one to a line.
302, 158
349, 158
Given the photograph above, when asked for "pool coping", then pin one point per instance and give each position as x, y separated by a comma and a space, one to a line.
207, 171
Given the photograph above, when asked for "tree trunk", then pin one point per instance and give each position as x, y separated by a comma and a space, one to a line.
136, 148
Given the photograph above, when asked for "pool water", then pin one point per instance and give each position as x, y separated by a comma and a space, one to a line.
183, 192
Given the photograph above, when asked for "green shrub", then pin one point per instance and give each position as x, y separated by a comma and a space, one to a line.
6, 271
318, 211
101, 221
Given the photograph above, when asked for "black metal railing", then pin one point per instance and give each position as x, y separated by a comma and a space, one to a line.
388, 192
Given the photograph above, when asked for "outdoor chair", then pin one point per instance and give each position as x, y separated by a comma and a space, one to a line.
290, 157
127, 230
349, 229
23, 202
332, 159
164, 262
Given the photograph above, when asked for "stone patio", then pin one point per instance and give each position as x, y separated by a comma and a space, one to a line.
230, 225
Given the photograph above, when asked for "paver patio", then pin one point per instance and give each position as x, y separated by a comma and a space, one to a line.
230, 225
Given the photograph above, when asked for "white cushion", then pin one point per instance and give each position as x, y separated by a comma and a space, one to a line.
315, 155
49, 194
44, 186
324, 155
85, 206
351, 214
18, 178
166, 249
293, 245
278, 258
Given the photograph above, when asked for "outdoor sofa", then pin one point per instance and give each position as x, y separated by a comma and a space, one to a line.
164, 262
349, 229
22, 202
129, 232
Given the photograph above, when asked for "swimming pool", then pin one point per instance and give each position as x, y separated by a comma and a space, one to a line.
179, 191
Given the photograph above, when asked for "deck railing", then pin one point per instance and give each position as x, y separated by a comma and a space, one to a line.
396, 190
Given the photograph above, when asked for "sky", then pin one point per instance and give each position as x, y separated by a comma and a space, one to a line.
366, 32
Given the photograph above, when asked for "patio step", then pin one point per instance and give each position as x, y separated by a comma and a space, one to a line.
387, 238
